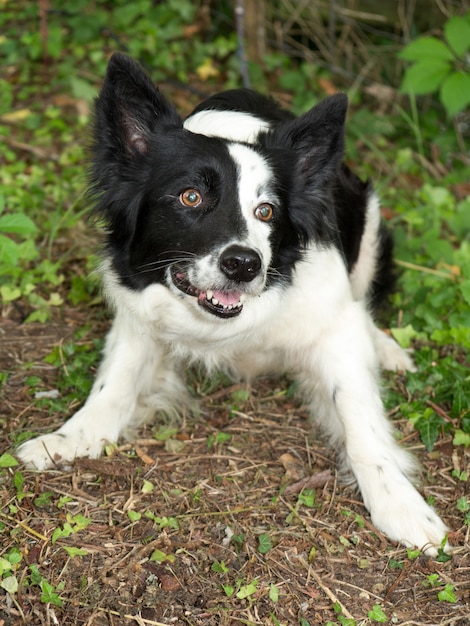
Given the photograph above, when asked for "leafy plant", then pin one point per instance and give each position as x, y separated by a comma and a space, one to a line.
377, 614
441, 65
264, 543
447, 594
49, 593
74, 524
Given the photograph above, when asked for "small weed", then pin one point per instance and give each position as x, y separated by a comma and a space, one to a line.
163, 522
264, 543
161, 557
73, 552
147, 486
238, 540
134, 516
7, 460
219, 567
343, 621
9, 563
377, 614
274, 593
432, 580
247, 590
447, 594
218, 438
74, 524
412, 554
444, 595
49, 593
305, 498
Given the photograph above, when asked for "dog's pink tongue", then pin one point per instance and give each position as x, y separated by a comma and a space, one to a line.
226, 297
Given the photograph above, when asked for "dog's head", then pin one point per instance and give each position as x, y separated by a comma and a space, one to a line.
216, 215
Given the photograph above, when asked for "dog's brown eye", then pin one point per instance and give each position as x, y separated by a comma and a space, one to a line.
264, 212
190, 198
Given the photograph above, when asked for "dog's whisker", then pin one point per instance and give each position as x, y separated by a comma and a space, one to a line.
161, 264
183, 256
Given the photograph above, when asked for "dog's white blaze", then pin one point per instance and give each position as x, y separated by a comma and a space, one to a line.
255, 183
230, 125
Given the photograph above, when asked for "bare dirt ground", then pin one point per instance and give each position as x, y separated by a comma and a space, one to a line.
210, 525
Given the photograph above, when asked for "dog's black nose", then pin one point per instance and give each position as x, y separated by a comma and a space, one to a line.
238, 263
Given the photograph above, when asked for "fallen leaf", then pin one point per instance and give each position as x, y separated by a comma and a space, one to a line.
295, 469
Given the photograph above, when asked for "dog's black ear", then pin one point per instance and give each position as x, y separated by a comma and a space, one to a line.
311, 148
317, 137
129, 113
128, 109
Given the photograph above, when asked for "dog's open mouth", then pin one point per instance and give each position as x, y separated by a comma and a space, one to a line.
221, 303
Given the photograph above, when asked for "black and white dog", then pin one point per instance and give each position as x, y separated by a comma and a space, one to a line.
238, 240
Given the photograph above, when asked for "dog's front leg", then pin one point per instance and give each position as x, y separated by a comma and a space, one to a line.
129, 363
348, 404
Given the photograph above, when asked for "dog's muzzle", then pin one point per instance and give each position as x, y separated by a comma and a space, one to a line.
239, 264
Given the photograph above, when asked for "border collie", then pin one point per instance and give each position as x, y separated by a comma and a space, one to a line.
237, 239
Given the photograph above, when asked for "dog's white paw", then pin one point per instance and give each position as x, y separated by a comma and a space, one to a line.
408, 520
57, 449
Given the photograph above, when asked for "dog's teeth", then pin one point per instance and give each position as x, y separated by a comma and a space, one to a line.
215, 301
209, 294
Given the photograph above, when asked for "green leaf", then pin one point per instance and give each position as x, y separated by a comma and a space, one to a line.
404, 335
428, 426
461, 438
134, 516
9, 251
425, 77
71, 551
228, 589
79, 520
426, 48
10, 584
7, 460
264, 543
273, 593
44, 499
5, 566
14, 556
455, 92
17, 223
307, 497
158, 556
413, 554
82, 89
147, 486
60, 533
447, 594
49, 594
457, 33
219, 567
248, 590
377, 615
465, 289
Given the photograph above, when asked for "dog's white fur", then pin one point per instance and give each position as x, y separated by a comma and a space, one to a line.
318, 328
